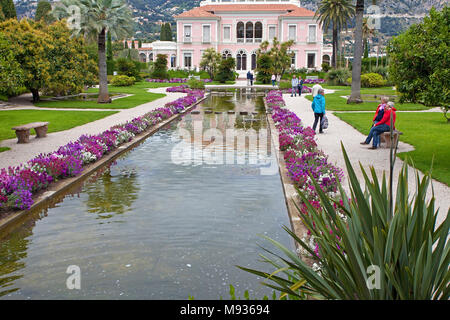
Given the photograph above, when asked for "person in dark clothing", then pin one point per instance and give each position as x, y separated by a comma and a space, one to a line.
251, 78
380, 110
300, 86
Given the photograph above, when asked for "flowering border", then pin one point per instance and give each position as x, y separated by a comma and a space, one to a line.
19, 184
302, 157
175, 80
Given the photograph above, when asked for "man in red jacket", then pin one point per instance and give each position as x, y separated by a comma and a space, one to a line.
381, 126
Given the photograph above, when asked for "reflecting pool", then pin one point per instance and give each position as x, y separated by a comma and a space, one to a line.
169, 219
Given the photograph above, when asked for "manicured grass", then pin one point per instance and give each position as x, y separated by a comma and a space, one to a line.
4, 149
217, 83
59, 120
139, 92
336, 103
427, 131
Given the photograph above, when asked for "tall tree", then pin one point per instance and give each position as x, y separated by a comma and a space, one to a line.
43, 11
368, 33
355, 96
210, 61
133, 45
169, 35
9, 10
97, 17
336, 13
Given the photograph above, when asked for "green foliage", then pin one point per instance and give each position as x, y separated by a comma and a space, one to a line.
326, 67
210, 61
265, 70
338, 76
71, 68
11, 73
177, 74
43, 12
226, 70
109, 47
411, 252
370, 80
127, 67
30, 46
8, 9
160, 67
196, 84
419, 64
2, 15
166, 32
122, 81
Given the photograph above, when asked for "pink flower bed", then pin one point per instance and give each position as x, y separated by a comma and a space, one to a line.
175, 80
302, 157
19, 184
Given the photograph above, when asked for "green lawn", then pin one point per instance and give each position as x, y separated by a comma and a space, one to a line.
427, 132
59, 120
336, 103
139, 92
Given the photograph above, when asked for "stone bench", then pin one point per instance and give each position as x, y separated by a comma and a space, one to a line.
23, 131
312, 77
385, 138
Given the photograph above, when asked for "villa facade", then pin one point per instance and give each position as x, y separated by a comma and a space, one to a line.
236, 28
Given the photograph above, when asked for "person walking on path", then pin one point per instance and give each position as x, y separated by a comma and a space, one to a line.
381, 126
251, 78
274, 80
300, 86
248, 78
318, 106
294, 84
315, 89
278, 79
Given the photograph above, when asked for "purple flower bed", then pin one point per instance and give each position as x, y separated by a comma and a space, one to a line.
175, 80
301, 154
19, 184
304, 90
308, 81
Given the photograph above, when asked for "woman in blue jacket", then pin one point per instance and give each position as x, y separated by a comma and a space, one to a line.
318, 106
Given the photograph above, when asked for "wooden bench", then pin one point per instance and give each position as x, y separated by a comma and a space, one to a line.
23, 131
386, 138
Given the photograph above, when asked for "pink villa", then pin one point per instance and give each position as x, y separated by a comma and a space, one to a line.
236, 28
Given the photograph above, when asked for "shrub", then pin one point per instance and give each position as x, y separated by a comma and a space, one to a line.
196, 84
326, 67
338, 77
127, 67
178, 74
365, 248
226, 70
371, 80
122, 81
160, 67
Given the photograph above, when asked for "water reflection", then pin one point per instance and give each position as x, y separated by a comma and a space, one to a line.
113, 192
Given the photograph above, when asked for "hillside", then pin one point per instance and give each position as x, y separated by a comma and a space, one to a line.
148, 13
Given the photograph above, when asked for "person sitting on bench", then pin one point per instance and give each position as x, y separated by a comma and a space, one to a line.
380, 110
381, 126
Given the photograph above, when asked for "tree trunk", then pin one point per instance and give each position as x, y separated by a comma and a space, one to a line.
103, 95
35, 93
335, 47
355, 96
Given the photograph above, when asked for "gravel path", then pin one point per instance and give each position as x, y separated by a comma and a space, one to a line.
21, 153
339, 131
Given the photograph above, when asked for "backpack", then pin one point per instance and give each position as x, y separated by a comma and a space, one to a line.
324, 122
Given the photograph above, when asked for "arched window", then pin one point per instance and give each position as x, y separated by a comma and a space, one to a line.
253, 61
249, 31
143, 57
150, 57
226, 54
326, 59
258, 31
241, 60
240, 32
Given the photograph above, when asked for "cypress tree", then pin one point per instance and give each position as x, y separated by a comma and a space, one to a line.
162, 33
169, 32
42, 10
133, 46
126, 44
140, 44
9, 10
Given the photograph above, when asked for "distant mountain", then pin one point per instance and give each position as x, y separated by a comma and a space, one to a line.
397, 14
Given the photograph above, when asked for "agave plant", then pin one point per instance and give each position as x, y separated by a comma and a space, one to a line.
385, 248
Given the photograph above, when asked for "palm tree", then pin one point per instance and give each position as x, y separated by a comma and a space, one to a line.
355, 96
94, 19
337, 13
